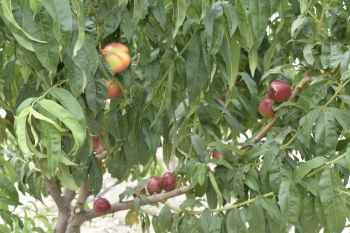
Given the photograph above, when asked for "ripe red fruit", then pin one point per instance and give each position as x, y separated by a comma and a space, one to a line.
279, 91
113, 90
168, 181
216, 155
265, 108
153, 185
101, 205
117, 56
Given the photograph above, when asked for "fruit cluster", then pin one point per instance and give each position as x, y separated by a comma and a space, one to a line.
278, 92
156, 184
117, 56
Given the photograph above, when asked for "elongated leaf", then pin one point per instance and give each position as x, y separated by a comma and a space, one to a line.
137, 153
309, 122
199, 147
196, 70
233, 122
268, 160
65, 178
69, 102
304, 168
36, 5
47, 119
255, 217
216, 188
41, 26
260, 13
309, 219
332, 201
213, 33
205, 220
21, 131
96, 94
179, 13
312, 95
230, 51
341, 117
60, 12
231, 15
325, 134
63, 115
133, 117
164, 221
158, 12
78, 9
234, 222
8, 189
53, 141
289, 199
7, 10
252, 87
271, 208
109, 16
95, 177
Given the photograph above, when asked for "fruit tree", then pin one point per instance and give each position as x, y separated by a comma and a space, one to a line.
250, 96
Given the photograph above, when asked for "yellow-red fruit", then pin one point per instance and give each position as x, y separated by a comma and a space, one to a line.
216, 155
265, 108
101, 205
168, 181
117, 56
279, 91
113, 90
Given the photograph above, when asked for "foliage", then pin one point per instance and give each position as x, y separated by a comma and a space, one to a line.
199, 70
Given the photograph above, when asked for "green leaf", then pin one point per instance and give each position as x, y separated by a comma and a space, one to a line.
268, 160
164, 220
95, 176
255, 217
213, 33
53, 141
36, 5
271, 208
289, 199
309, 122
21, 131
133, 117
109, 17
96, 94
341, 117
64, 176
216, 188
309, 219
260, 13
7, 10
269, 55
78, 9
231, 16
199, 147
158, 12
179, 13
41, 26
69, 102
138, 152
196, 70
63, 115
304, 168
215, 226
233, 122
332, 200
253, 89
312, 95
205, 220
230, 50
325, 134
8, 189
60, 12
234, 222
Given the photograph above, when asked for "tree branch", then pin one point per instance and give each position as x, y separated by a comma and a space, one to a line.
162, 197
